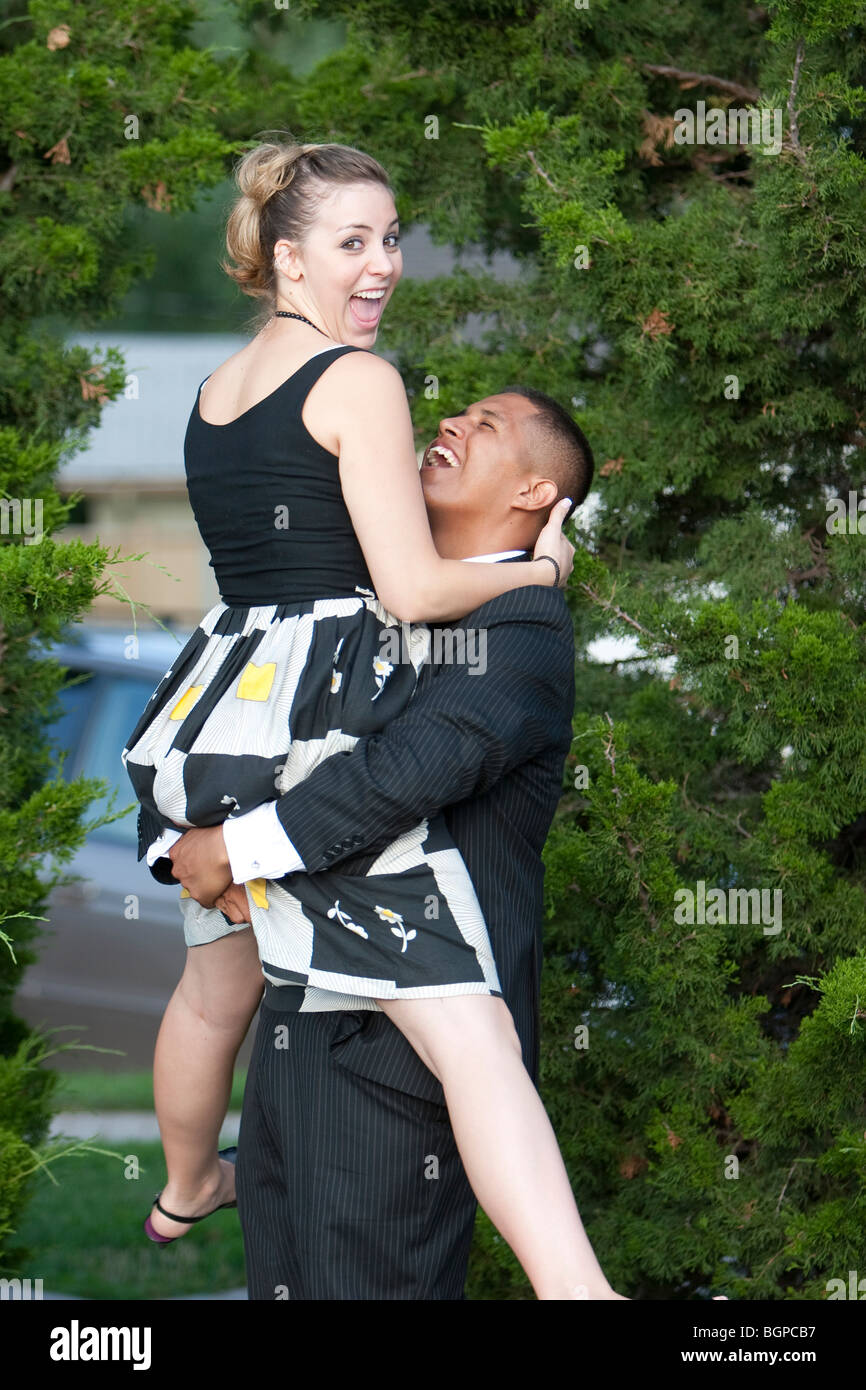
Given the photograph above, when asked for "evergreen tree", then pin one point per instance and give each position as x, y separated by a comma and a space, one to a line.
102, 110
692, 282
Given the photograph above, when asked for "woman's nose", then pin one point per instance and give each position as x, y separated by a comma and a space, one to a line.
382, 261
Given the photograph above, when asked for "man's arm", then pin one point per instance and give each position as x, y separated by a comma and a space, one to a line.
462, 731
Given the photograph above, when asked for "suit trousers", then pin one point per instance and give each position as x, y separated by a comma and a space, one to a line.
347, 1188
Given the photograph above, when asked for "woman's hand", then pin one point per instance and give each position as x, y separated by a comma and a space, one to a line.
553, 543
233, 902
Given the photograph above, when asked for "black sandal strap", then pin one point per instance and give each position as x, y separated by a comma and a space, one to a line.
171, 1216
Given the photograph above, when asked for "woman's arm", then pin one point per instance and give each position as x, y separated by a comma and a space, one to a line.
383, 493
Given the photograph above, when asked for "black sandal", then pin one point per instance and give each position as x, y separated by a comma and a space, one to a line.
230, 1155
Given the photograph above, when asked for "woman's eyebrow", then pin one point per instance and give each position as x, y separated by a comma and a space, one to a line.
362, 226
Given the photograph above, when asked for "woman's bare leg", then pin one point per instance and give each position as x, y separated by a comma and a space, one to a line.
202, 1030
504, 1137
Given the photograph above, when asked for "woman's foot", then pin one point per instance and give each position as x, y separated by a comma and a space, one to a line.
216, 1191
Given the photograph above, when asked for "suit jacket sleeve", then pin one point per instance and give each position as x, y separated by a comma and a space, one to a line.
460, 733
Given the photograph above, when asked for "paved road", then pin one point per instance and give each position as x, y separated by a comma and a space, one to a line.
123, 1125
102, 977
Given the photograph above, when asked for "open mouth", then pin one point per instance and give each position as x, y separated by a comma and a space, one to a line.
367, 307
440, 456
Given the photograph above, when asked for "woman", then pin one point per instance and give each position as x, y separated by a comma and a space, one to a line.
303, 478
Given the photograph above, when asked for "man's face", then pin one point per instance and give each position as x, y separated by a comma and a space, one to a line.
477, 462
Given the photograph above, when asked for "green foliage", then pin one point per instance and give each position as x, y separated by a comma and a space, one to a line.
103, 112
701, 308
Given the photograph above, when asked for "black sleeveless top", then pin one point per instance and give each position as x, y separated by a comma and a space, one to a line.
268, 502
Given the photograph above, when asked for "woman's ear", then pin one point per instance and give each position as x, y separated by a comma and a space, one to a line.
287, 259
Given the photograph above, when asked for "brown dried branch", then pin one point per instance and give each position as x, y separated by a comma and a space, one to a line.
705, 79
609, 606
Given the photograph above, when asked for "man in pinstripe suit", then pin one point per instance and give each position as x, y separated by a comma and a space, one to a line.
348, 1178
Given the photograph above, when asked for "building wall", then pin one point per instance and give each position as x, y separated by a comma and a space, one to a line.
174, 579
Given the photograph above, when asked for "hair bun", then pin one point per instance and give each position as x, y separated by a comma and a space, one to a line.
267, 169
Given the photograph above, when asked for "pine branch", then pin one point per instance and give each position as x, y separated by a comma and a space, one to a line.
793, 113
530, 154
711, 811
632, 850
609, 606
705, 79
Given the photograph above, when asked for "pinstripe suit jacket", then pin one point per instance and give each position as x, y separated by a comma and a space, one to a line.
488, 749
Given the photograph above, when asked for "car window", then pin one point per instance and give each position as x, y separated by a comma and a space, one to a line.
122, 701
76, 702
115, 703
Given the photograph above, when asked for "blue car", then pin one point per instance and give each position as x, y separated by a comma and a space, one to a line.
113, 949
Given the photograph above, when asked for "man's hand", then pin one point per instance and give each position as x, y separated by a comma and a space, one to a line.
200, 862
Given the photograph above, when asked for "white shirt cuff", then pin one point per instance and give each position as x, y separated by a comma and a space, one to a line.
162, 845
258, 846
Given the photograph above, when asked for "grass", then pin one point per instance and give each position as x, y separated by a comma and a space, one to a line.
86, 1234
125, 1090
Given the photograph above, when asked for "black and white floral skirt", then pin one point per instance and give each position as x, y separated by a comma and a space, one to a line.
254, 701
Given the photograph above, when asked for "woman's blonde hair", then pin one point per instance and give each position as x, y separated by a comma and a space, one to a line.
282, 185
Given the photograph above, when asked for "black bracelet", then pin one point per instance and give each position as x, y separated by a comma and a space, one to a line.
555, 564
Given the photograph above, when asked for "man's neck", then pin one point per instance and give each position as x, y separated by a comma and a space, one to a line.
458, 543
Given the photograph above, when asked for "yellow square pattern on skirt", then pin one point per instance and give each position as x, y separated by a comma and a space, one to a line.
186, 702
256, 681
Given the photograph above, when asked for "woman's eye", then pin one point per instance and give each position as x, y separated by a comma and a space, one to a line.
487, 423
350, 245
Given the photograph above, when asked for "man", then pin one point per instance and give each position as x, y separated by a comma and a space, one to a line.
348, 1177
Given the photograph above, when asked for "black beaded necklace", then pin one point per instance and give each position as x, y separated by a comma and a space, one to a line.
284, 314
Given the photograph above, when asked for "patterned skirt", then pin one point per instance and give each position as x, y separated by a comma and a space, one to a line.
257, 698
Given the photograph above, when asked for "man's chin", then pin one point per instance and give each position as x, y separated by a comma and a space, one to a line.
441, 482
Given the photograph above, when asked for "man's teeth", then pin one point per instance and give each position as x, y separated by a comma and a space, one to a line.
446, 454
368, 294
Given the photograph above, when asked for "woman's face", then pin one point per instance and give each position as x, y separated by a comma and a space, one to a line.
344, 273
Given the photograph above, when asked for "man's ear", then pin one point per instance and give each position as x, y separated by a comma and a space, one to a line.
287, 259
535, 494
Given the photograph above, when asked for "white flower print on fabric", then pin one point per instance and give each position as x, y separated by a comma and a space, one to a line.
337, 676
345, 920
399, 930
381, 672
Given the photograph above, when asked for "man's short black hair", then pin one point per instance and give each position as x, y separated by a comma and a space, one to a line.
567, 455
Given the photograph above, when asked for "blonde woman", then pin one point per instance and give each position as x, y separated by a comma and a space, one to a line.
304, 483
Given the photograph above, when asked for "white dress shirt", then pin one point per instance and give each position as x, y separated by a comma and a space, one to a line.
256, 843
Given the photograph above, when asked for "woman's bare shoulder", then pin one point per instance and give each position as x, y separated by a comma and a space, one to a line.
355, 386
367, 367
